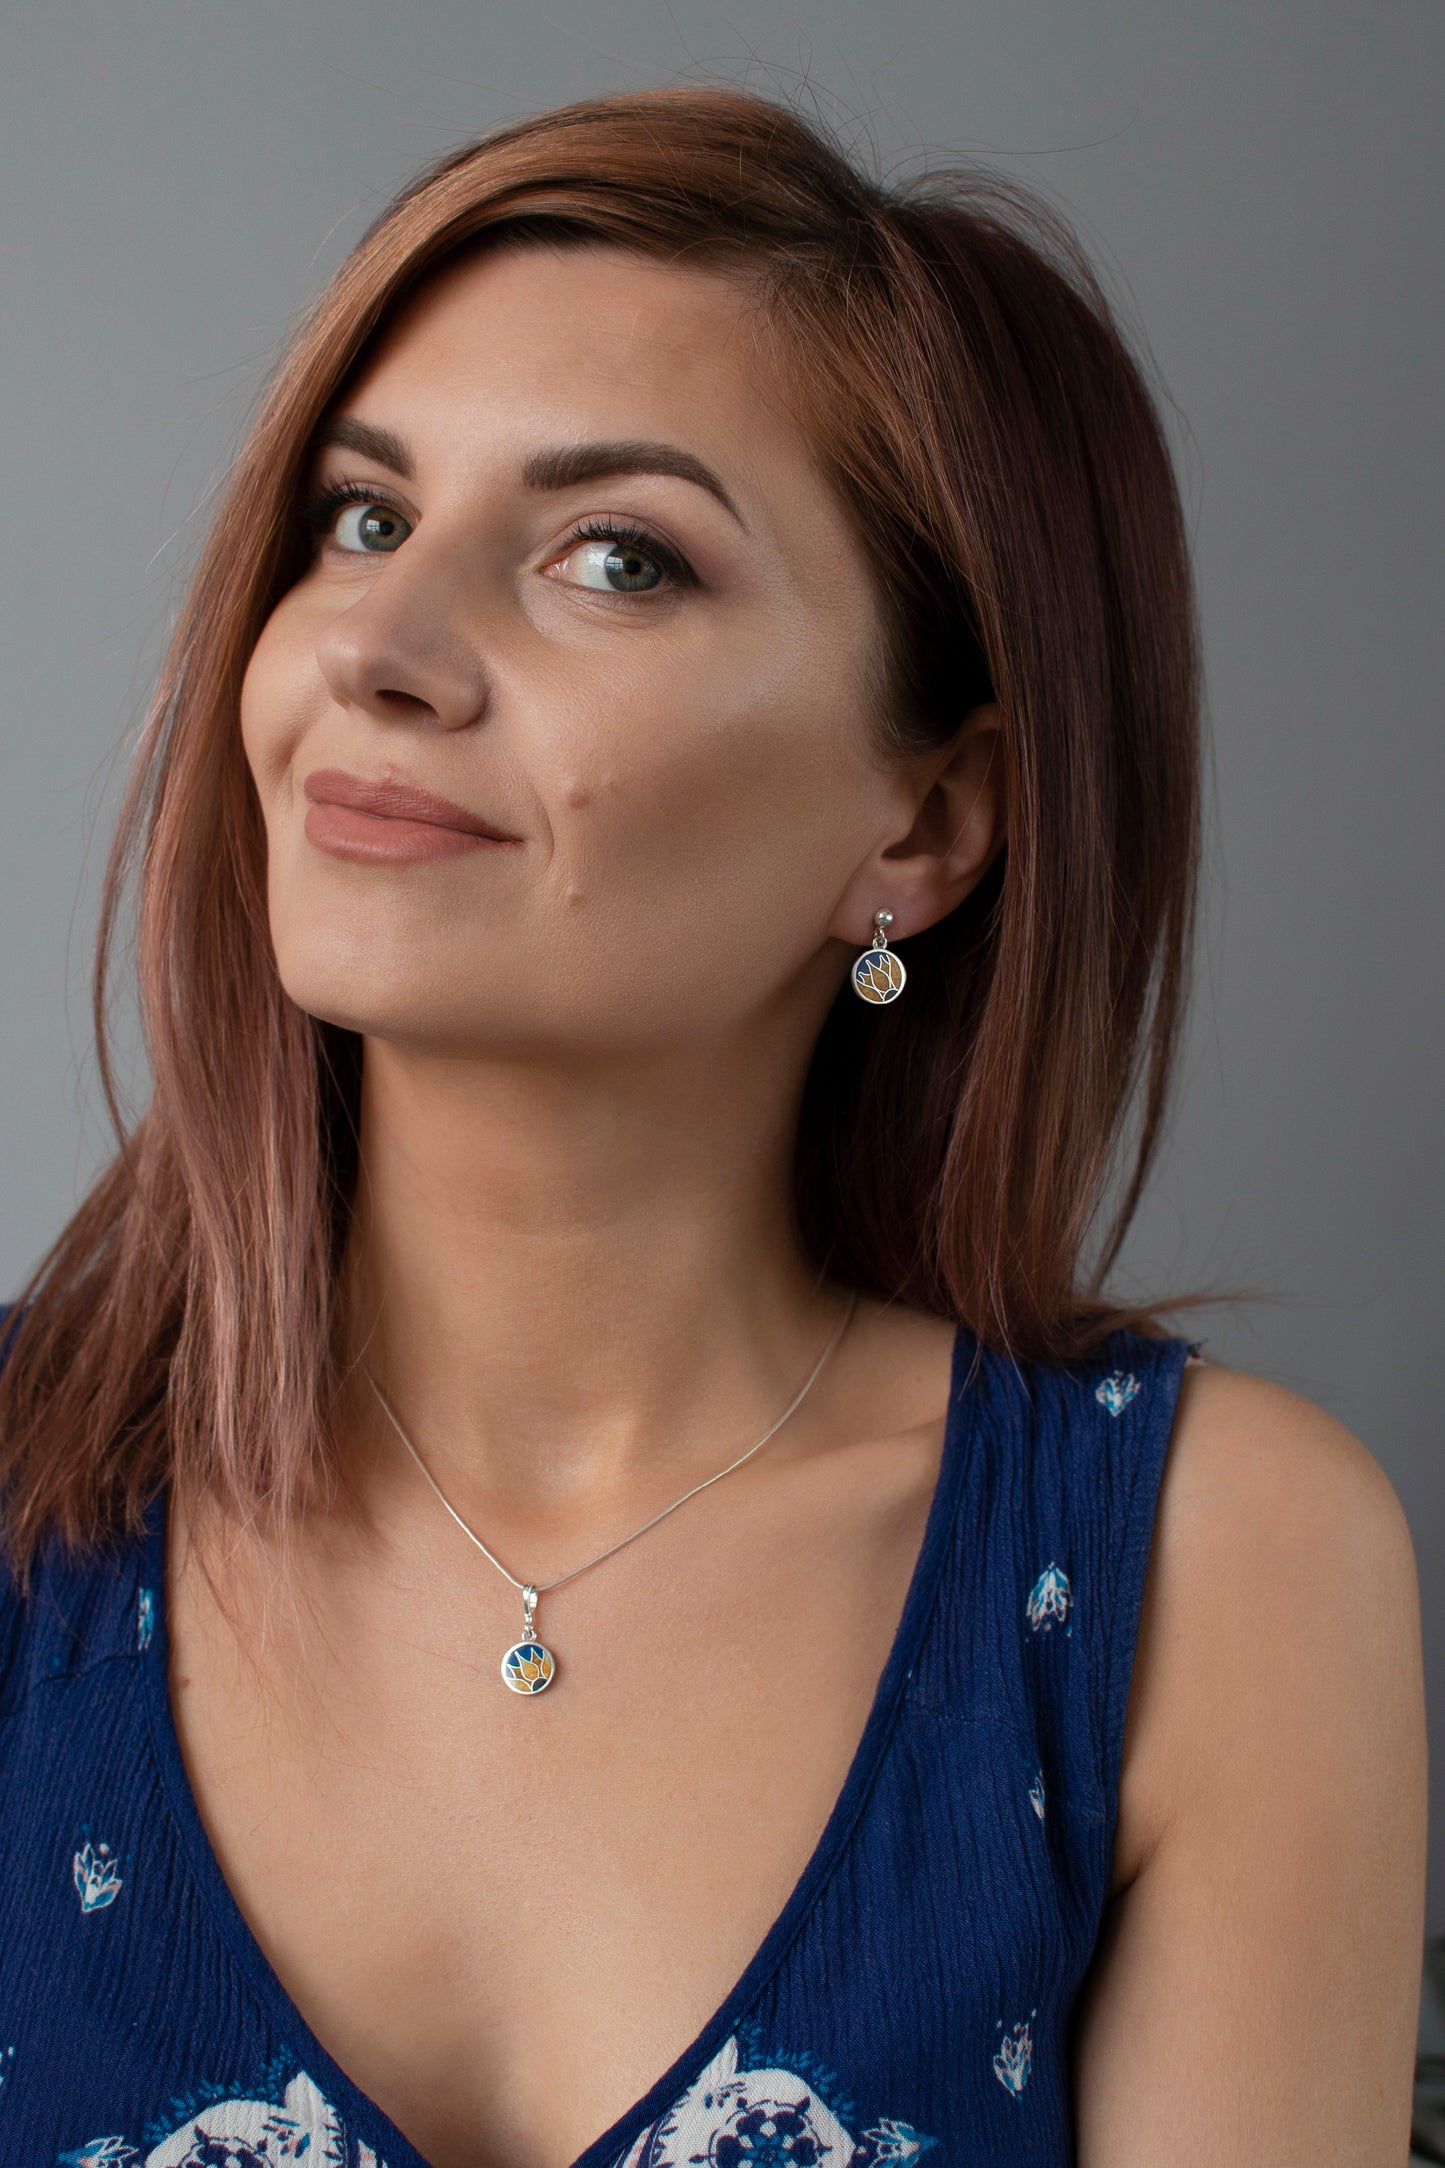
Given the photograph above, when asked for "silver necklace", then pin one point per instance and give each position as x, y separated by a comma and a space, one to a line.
528, 1666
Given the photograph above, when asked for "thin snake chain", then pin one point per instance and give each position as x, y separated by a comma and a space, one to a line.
528, 1666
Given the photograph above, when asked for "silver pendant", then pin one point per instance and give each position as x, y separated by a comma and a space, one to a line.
878, 974
528, 1667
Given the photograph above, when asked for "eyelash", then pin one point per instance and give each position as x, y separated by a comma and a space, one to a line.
320, 510
638, 538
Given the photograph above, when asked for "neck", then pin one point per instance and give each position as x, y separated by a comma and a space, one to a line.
574, 1291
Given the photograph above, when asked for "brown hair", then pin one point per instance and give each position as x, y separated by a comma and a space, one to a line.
960, 372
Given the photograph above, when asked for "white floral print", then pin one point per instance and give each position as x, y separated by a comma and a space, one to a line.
1117, 1390
731, 2118
1050, 1600
1015, 2057
300, 2127
96, 1877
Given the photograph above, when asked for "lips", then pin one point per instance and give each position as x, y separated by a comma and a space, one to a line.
394, 800
390, 821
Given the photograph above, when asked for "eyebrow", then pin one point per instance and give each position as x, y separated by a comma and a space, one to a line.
574, 463
365, 437
561, 468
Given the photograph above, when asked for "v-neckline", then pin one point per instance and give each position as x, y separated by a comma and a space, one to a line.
360, 2114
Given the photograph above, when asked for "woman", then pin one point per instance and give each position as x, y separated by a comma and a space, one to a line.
579, 1523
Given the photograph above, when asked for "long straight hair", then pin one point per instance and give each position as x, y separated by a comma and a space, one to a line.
961, 375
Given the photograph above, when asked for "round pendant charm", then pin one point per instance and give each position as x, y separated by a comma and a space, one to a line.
878, 975
528, 1667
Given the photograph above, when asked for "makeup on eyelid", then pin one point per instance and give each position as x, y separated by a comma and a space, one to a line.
321, 507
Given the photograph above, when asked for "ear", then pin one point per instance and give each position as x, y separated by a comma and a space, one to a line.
957, 828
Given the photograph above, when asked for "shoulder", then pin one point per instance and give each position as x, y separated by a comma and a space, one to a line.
1281, 1601
1267, 1493
1269, 1864
1263, 1472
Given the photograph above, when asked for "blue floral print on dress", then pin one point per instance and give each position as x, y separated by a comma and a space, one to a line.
1036, 1794
1117, 1390
145, 1618
1015, 2057
732, 2118
1050, 1600
96, 1875
300, 2127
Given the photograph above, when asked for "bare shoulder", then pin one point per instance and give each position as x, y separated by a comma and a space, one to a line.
1281, 1567
1267, 1911
1229, 1423
1267, 1498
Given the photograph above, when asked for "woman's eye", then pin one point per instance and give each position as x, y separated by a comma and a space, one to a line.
370, 528
618, 566
615, 561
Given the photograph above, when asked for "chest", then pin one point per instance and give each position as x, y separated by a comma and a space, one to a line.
506, 1917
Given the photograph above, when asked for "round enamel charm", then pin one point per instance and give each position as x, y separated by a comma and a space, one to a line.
528, 1667
878, 975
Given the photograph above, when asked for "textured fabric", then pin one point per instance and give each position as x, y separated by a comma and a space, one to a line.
915, 1993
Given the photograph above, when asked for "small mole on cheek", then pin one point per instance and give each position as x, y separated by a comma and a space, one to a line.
574, 894
577, 794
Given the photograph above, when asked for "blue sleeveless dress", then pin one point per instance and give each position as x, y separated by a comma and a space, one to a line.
914, 1995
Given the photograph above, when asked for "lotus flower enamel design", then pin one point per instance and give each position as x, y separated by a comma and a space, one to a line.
528, 1667
878, 976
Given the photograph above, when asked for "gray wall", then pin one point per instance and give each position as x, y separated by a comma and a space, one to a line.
1263, 186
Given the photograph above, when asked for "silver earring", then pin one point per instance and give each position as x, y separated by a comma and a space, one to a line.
878, 974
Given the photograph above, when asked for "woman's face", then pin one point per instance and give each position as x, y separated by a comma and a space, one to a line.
587, 585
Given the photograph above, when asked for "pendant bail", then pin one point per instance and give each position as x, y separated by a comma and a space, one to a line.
529, 1606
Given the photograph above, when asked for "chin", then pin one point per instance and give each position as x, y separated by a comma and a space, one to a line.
359, 983
411, 997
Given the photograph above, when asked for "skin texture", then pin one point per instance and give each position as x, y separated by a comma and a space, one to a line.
1255, 1993
572, 1268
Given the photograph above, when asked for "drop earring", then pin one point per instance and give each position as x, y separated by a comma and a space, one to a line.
878, 974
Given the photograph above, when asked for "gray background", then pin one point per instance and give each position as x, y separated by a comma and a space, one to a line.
1261, 184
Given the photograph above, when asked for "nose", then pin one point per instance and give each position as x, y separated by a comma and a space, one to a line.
404, 652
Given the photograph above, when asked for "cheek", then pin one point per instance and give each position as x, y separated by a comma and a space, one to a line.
734, 805
277, 691
314, 943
